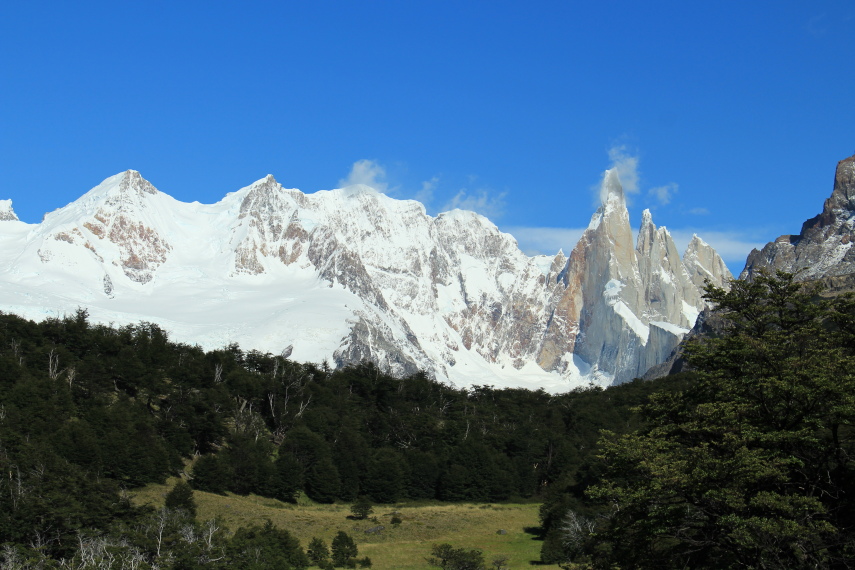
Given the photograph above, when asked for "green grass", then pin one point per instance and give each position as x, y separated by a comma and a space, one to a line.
401, 547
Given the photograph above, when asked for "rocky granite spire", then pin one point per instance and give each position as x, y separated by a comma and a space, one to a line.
703, 263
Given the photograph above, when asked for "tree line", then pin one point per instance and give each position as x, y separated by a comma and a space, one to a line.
88, 411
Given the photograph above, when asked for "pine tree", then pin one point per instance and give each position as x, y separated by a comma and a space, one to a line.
322, 481
344, 550
180, 497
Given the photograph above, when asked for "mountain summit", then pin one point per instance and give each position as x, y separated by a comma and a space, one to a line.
823, 248
351, 274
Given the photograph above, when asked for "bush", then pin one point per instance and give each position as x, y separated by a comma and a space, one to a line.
447, 557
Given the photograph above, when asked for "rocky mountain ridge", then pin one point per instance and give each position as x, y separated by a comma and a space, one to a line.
351, 274
823, 247
822, 251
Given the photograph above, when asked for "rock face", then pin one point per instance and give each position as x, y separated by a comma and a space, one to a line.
351, 274
821, 251
823, 248
633, 304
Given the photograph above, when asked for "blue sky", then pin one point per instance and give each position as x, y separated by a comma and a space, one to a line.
730, 116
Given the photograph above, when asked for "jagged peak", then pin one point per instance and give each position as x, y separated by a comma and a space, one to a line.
132, 181
646, 218
266, 196
611, 189
843, 194
696, 243
612, 200
129, 182
7, 214
119, 192
646, 233
268, 182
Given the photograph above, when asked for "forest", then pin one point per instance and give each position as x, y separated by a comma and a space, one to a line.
746, 461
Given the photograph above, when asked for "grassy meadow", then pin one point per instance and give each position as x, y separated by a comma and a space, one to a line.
404, 546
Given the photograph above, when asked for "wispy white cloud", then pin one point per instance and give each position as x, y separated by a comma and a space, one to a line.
545, 241
367, 172
425, 194
481, 201
663, 194
626, 165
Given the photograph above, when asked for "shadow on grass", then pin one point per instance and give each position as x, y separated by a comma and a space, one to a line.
536, 533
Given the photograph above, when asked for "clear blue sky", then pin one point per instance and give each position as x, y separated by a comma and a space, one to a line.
732, 115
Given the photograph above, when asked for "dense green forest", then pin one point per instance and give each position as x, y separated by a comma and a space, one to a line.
89, 411
745, 462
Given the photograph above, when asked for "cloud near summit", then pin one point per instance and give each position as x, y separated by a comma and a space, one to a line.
480, 201
366, 172
626, 166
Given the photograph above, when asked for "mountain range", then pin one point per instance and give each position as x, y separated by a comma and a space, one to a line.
350, 274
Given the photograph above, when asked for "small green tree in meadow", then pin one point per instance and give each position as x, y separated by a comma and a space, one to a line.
361, 508
318, 551
344, 550
180, 497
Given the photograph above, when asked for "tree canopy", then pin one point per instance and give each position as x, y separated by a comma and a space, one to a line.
752, 464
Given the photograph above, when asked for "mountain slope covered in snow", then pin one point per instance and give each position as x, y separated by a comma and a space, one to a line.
351, 274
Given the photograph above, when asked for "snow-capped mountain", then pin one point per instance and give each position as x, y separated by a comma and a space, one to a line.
823, 248
351, 274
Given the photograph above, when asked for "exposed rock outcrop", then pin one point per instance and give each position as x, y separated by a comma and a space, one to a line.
823, 248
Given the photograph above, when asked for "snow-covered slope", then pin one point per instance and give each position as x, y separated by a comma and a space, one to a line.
351, 274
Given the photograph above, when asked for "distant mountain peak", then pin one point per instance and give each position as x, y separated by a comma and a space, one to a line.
132, 180
7, 214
